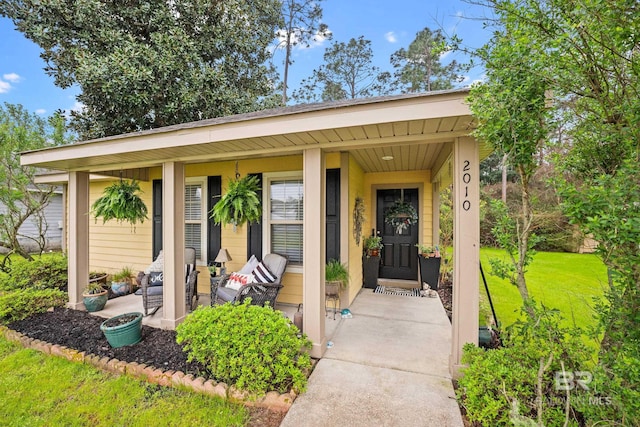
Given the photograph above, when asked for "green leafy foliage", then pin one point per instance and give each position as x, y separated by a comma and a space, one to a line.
517, 382
48, 271
22, 303
335, 271
144, 65
21, 197
240, 203
256, 348
121, 202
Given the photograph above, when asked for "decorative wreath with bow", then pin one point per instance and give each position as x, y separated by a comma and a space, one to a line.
400, 216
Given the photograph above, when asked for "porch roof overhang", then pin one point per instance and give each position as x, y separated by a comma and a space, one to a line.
416, 130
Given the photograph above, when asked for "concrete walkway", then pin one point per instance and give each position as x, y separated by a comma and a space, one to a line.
388, 366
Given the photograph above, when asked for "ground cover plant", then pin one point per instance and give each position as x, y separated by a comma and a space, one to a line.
37, 389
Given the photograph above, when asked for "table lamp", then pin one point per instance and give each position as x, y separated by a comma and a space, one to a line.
223, 256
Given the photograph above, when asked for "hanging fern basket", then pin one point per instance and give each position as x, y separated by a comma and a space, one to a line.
240, 204
120, 201
400, 216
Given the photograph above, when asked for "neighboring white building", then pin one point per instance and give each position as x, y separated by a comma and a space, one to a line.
53, 216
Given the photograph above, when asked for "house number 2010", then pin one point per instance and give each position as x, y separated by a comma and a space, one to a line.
466, 178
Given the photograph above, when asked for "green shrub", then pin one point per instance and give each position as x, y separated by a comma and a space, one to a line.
253, 347
22, 303
48, 271
500, 387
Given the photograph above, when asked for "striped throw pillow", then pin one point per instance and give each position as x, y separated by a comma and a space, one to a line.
262, 274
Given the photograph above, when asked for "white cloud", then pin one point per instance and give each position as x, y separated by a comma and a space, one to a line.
317, 40
391, 37
12, 77
445, 54
4, 87
41, 111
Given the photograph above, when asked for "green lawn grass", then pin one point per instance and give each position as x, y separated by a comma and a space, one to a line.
41, 390
565, 281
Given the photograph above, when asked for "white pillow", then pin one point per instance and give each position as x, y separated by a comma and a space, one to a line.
238, 280
156, 265
249, 266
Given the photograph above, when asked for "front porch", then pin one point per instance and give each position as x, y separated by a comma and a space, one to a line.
413, 144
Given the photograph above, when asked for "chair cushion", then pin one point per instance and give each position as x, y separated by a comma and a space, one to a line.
226, 294
249, 266
262, 274
154, 290
155, 278
238, 280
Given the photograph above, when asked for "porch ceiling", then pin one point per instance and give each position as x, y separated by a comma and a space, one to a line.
412, 129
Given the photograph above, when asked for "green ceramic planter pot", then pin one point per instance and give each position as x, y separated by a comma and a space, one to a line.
95, 302
124, 329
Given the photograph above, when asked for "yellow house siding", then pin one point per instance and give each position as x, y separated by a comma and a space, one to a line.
356, 189
113, 245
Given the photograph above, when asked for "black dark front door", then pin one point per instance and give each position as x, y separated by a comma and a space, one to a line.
399, 255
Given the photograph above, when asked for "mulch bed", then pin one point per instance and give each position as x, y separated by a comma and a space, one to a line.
81, 331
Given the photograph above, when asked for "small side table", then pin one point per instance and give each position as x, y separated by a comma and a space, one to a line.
214, 281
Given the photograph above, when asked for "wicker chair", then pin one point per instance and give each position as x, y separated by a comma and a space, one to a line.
260, 293
152, 295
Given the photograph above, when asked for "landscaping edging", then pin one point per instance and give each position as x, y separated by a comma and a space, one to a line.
177, 379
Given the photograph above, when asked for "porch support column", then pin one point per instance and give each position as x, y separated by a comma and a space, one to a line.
314, 249
435, 210
174, 306
78, 237
466, 243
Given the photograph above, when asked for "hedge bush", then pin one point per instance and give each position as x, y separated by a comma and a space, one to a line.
48, 271
22, 303
500, 387
256, 348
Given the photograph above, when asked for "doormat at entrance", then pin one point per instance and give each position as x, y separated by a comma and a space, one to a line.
388, 290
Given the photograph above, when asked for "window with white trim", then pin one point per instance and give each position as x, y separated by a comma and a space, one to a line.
284, 215
195, 217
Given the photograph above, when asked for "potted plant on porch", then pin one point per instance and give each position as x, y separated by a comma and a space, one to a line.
120, 201
240, 203
336, 278
371, 261
94, 297
121, 281
429, 261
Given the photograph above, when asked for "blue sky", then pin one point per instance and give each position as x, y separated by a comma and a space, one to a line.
390, 25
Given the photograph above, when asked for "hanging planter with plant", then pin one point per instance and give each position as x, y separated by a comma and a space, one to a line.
400, 216
120, 201
240, 204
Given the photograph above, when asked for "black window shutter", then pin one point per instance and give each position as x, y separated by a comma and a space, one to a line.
156, 212
333, 214
254, 231
214, 185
